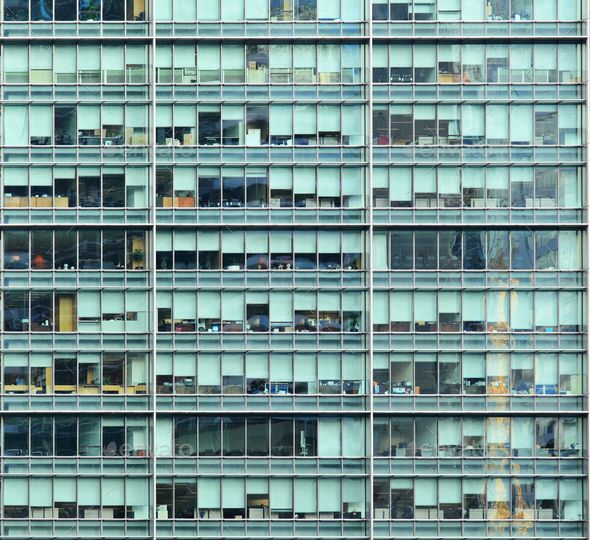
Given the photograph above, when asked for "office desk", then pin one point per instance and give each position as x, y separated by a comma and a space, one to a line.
65, 388
61, 202
41, 202
89, 389
112, 389
16, 202
86, 140
18, 388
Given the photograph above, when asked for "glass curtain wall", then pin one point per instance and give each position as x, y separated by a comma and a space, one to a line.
293, 268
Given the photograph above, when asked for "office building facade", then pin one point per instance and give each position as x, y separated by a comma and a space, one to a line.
293, 268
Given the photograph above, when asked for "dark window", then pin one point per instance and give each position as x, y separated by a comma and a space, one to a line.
113, 10
66, 436
233, 436
16, 10
41, 10
41, 436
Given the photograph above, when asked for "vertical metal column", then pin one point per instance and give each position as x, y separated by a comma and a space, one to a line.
369, 259
152, 258
587, 243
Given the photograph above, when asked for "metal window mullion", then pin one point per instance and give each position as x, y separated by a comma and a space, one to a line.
153, 274
369, 260
587, 97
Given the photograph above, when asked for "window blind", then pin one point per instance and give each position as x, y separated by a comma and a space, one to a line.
256, 9
328, 9
521, 310
137, 492
281, 306
164, 56
328, 182
232, 306
400, 306
113, 57
88, 304
281, 177
304, 181
16, 176
449, 431
304, 368
546, 489
449, 490
184, 180
42, 176
545, 56
42, 492
280, 120
570, 304
498, 364
208, 56
546, 308
353, 437
88, 117
473, 366
449, 180
16, 491
424, 57
209, 493
112, 115
305, 495
425, 492
521, 124
304, 56
135, 54
352, 123
425, 307
546, 369
329, 495
232, 10
164, 10
329, 437
209, 369
329, 242
164, 436
281, 241
16, 125
523, 430
207, 10
304, 120
88, 492
281, 494
232, 492
400, 184
41, 57
232, 241
401, 55
16, 58
474, 486
185, 305
64, 490
473, 54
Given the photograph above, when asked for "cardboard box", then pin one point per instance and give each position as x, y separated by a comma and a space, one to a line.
61, 202
185, 202
42, 202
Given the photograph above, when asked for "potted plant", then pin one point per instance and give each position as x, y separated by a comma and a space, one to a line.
138, 257
353, 323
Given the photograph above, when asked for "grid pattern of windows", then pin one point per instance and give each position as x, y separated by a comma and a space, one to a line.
293, 268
